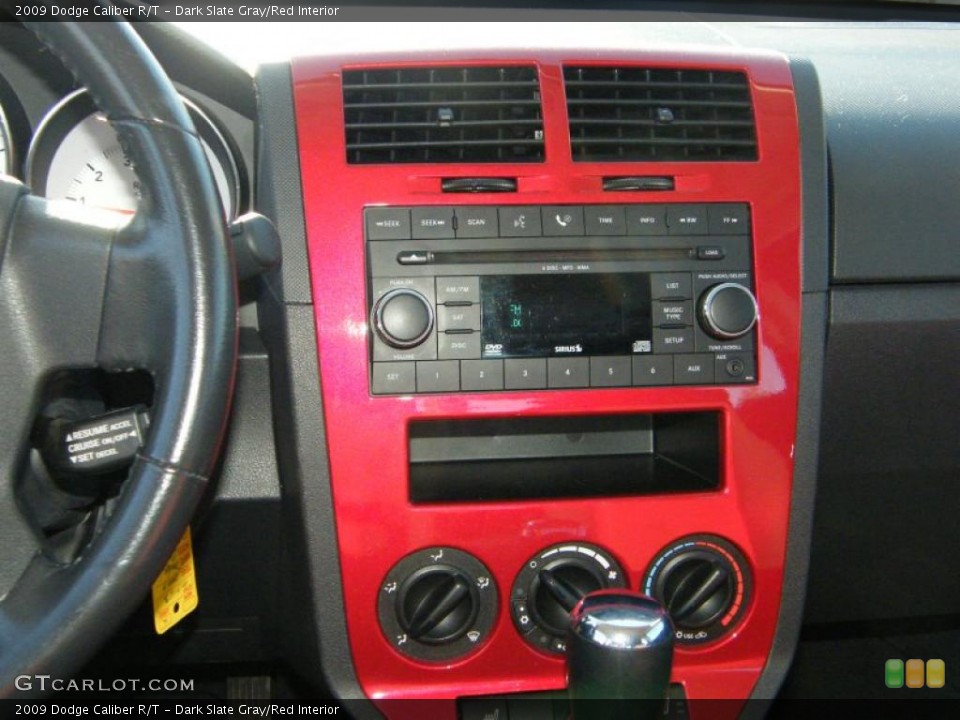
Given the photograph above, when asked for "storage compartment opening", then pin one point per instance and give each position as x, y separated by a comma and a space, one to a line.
564, 457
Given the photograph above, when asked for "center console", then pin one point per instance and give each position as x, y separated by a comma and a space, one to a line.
558, 308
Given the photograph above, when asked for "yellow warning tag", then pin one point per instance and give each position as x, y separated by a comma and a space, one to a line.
175, 591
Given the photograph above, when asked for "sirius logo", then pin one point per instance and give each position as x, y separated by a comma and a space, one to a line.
568, 349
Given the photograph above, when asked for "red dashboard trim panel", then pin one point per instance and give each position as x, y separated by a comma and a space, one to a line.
368, 436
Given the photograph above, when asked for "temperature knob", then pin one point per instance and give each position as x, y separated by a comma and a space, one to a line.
403, 318
704, 584
728, 311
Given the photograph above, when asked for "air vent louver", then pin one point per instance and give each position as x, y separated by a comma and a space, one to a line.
443, 115
651, 114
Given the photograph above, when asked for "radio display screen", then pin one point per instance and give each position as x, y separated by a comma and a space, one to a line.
562, 315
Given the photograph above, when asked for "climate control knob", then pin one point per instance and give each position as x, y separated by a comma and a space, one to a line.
728, 311
437, 604
403, 318
704, 583
550, 586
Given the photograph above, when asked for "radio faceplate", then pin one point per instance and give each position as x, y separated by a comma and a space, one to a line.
485, 298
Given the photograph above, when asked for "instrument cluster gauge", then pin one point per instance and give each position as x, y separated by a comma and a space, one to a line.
75, 155
6, 146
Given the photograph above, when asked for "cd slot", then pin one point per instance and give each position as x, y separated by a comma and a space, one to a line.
586, 255
565, 457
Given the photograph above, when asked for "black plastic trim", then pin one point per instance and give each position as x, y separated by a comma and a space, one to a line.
279, 192
314, 636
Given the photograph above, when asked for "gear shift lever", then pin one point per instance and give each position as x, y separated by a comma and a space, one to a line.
619, 650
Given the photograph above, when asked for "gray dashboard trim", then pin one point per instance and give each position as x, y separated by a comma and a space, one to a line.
313, 590
279, 193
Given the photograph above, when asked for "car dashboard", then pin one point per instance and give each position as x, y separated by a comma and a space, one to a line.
667, 317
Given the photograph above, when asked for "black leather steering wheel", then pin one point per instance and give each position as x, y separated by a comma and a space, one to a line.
155, 292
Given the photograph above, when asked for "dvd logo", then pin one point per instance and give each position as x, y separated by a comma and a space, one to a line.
493, 349
568, 348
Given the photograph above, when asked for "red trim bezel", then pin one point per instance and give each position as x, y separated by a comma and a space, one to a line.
367, 436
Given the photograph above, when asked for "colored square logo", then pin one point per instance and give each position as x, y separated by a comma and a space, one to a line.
915, 673
893, 673
936, 673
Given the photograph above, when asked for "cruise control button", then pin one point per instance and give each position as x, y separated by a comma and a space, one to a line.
438, 376
653, 370
673, 312
671, 285
687, 219
432, 223
605, 220
458, 317
464, 289
609, 371
481, 375
525, 374
393, 378
729, 219
672, 341
520, 221
693, 369
568, 372
388, 223
476, 222
458, 346
646, 220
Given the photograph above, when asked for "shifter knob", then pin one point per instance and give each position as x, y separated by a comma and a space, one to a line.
620, 651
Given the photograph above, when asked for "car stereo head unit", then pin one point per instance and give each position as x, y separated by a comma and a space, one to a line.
484, 298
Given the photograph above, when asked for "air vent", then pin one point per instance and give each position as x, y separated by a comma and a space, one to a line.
652, 114
443, 115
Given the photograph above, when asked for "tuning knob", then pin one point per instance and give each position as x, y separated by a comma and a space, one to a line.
403, 318
728, 311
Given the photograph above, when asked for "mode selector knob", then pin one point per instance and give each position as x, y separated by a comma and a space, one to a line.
403, 318
728, 311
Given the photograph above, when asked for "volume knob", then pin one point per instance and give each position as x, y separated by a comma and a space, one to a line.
728, 311
403, 318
